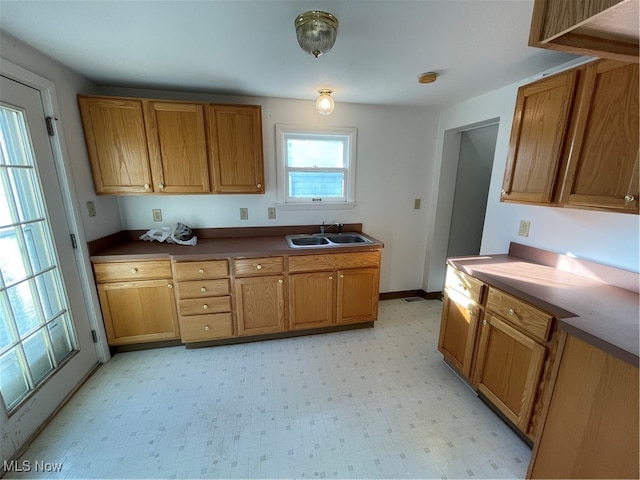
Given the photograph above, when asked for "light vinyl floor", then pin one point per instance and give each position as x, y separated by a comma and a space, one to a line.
370, 403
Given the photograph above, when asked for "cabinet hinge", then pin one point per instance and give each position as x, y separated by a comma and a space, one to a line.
50, 130
74, 242
94, 335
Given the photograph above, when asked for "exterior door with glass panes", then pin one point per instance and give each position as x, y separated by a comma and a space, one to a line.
46, 348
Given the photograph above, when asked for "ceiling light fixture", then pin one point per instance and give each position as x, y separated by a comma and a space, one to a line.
316, 31
428, 77
324, 104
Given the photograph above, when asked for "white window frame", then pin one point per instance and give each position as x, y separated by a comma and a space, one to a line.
286, 203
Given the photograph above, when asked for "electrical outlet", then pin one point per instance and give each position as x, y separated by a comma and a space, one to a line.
524, 228
416, 204
157, 215
271, 213
91, 208
244, 214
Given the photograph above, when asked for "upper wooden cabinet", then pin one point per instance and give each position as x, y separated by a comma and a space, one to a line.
598, 28
141, 146
235, 148
574, 140
177, 147
117, 144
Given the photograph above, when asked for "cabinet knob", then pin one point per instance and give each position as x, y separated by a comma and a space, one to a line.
512, 311
205, 306
330, 277
472, 314
207, 327
484, 322
280, 280
147, 186
161, 186
629, 198
259, 185
341, 275
134, 270
201, 270
503, 193
259, 267
203, 289
169, 285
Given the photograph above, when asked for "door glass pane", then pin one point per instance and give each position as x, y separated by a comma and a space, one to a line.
36, 328
13, 381
37, 353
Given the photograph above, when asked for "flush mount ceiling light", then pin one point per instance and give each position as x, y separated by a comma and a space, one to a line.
324, 104
316, 31
428, 77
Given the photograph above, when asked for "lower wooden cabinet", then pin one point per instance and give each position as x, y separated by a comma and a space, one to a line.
139, 311
260, 305
311, 300
508, 369
458, 330
357, 295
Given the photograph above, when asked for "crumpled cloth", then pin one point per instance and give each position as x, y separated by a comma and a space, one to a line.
177, 233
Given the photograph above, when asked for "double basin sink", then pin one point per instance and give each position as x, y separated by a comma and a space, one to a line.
326, 240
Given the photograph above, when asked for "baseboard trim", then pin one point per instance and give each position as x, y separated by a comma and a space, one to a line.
410, 293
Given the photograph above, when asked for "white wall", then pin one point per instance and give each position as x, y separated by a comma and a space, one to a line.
394, 160
68, 84
604, 237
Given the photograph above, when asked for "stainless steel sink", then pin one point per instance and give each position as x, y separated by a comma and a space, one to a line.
326, 240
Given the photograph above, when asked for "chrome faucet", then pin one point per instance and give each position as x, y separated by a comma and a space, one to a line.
324, 228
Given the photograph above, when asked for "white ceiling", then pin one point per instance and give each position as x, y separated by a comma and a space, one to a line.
249, 47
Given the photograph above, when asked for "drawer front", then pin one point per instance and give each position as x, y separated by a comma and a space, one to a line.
198, 270
333, 261
199, 328
250, 267
144, 270
465, 284
203, 288
529, 319
201, 306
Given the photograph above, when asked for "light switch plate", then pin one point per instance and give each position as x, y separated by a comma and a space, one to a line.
271, 213
416, 204
157, 215
91, 208
524, 228
244, 214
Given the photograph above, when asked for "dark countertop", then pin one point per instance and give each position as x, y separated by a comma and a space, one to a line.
595, 303
218, 243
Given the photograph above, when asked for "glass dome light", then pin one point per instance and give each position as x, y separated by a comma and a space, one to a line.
316, 31
324, 104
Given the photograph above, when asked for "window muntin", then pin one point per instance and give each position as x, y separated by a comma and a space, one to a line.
316, 166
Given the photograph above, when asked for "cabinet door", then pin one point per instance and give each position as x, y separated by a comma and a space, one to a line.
508, 369
603, 164
357, 295
235, 148
177, 147
117, 144
311, 300
260, 305
458, 330
136, 312
538, 134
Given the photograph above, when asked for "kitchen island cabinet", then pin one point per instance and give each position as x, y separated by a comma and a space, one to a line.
570, 329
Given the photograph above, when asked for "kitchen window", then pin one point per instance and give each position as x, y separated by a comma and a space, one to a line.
316, 167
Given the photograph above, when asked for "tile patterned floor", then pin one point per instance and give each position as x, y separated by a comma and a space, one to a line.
372, 403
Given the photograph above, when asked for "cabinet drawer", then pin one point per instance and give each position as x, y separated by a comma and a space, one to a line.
200, 328
467, 285
144, 270
198, 270
199, 306
333, 261
203, 288
250, 267
529, 319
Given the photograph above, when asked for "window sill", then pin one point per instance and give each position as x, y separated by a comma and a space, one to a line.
316, 206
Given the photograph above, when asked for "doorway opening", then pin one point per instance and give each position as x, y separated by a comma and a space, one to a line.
475, 163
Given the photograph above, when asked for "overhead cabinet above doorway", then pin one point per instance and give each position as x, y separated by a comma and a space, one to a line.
145, 146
